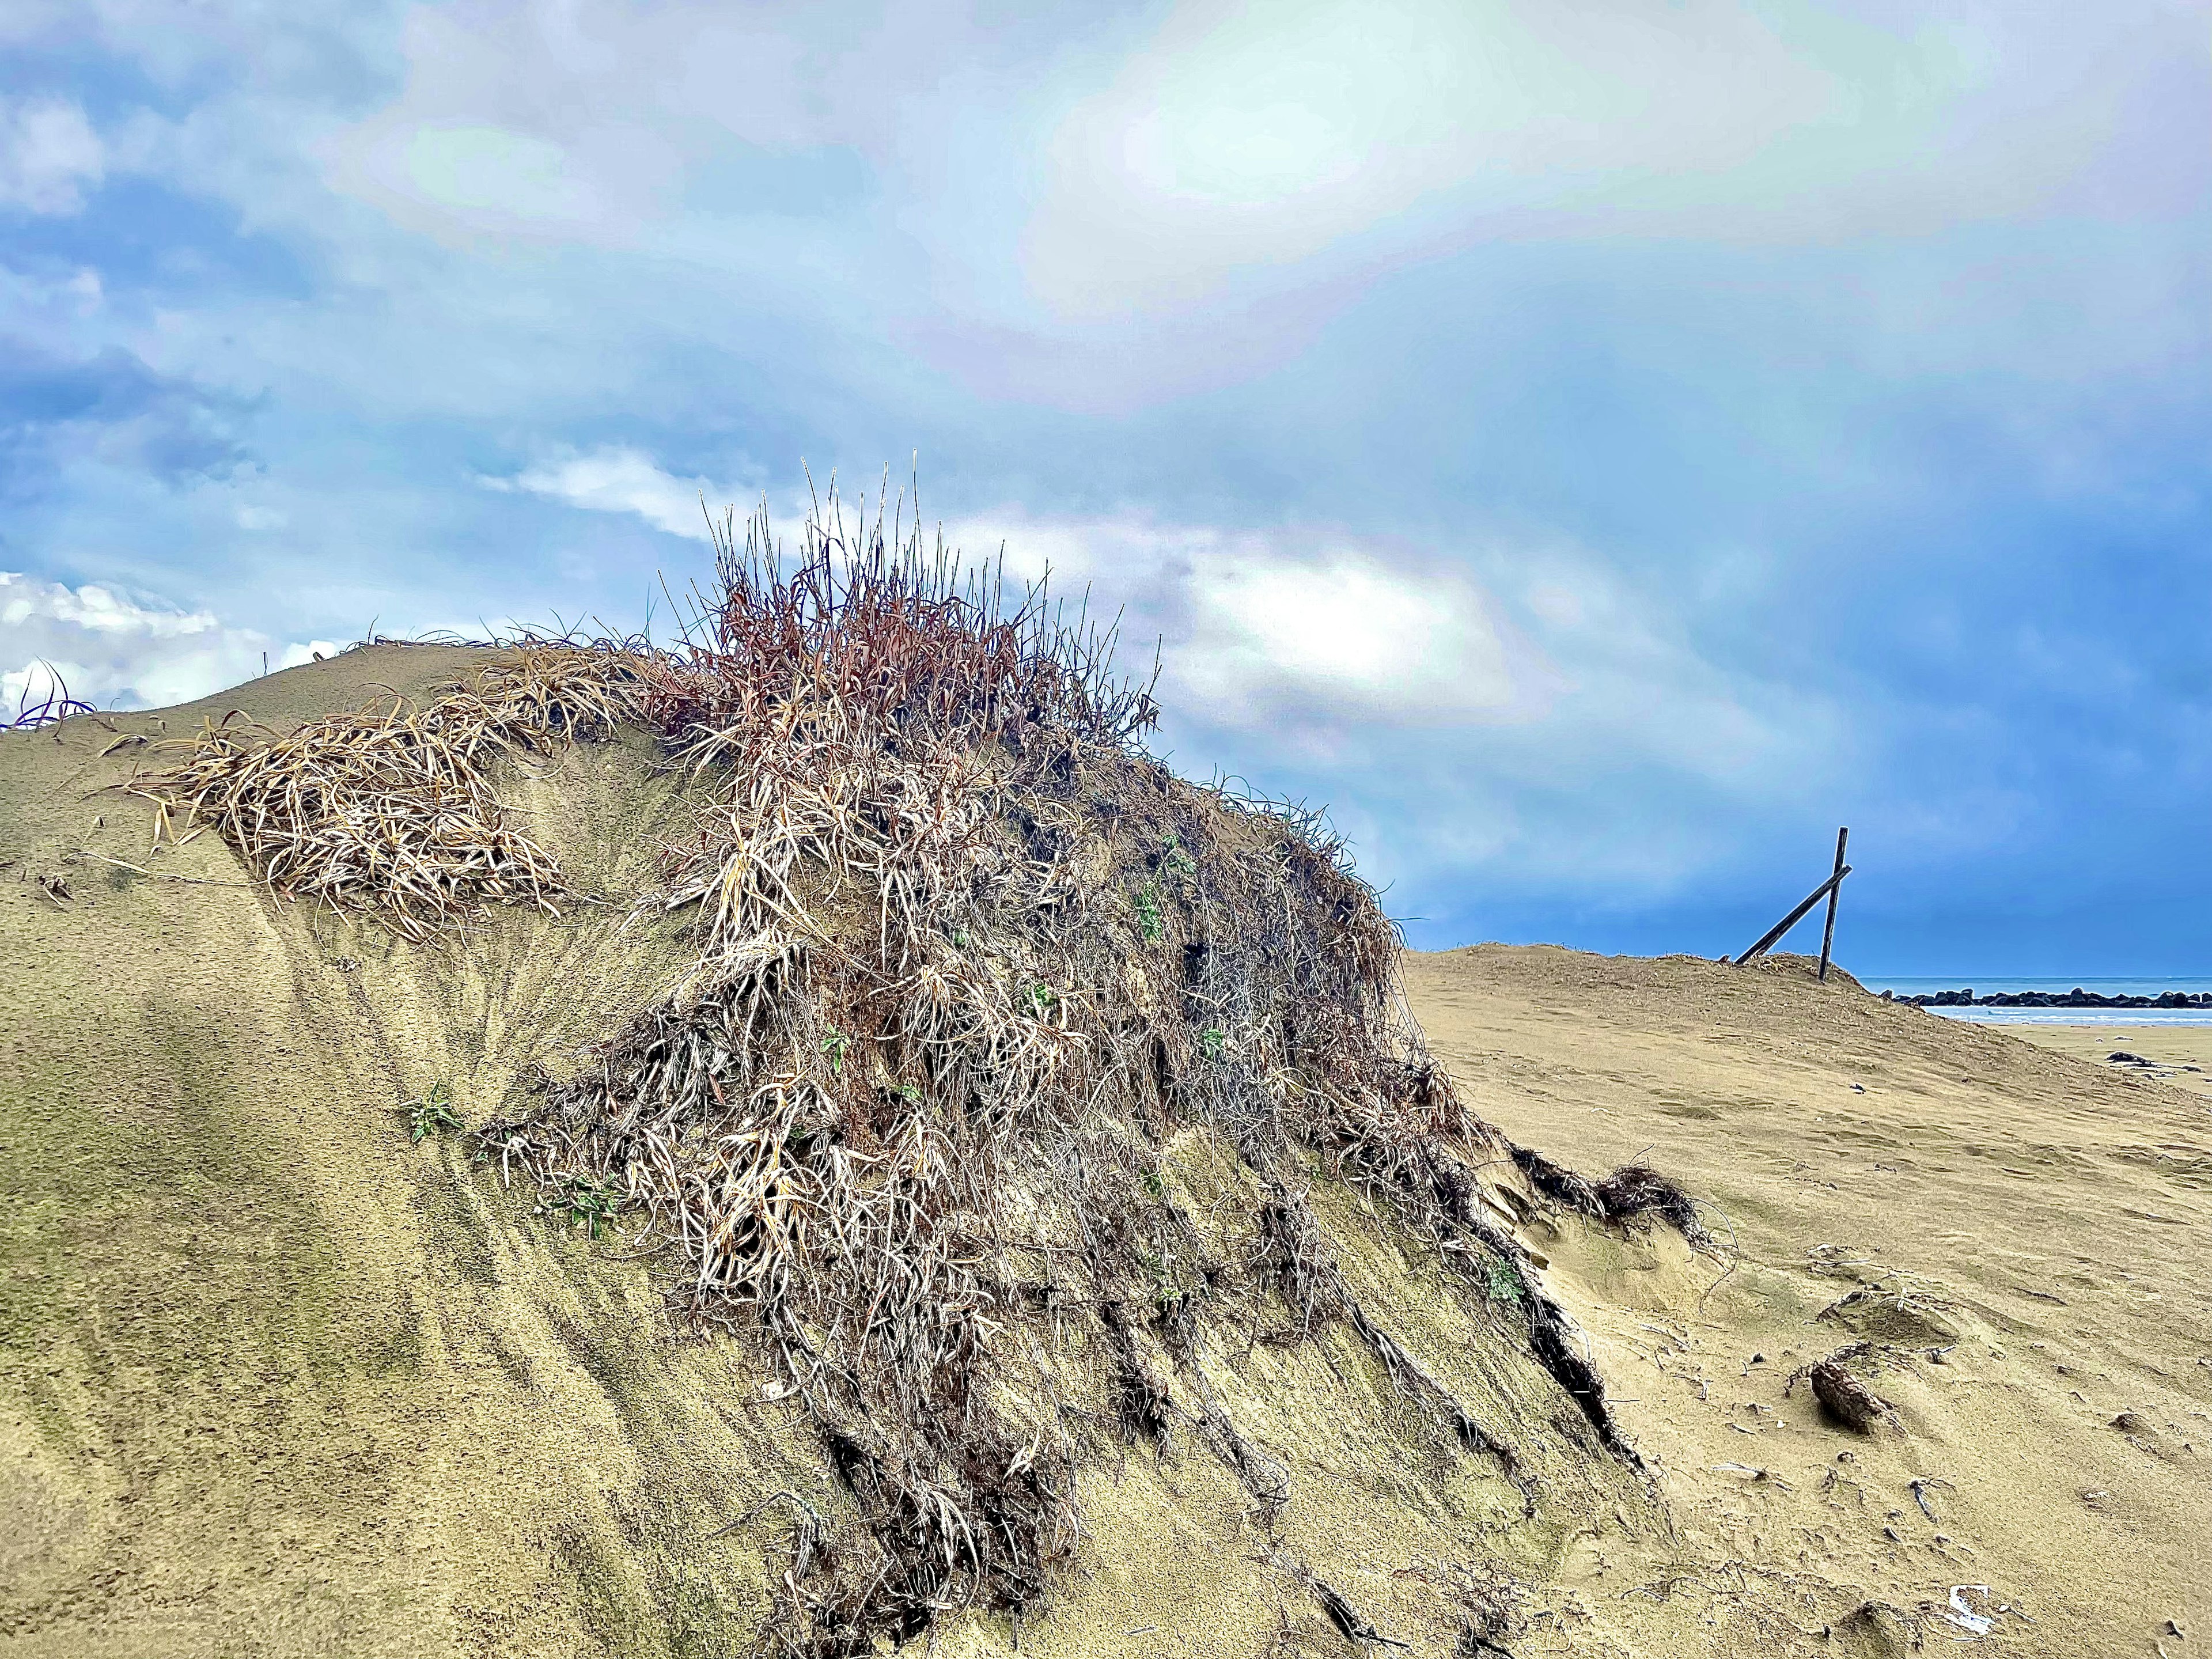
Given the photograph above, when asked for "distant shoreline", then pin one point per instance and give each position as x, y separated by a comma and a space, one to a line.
2076, 998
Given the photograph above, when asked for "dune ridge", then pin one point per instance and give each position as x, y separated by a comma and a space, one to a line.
276, 1375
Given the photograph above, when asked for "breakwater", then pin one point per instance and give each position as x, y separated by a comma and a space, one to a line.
2076, 998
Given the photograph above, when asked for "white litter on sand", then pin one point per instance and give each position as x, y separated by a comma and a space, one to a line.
1964, 1616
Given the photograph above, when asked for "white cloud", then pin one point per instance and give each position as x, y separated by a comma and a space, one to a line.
482, 177
1473, 700
550, 120
1242, 150
48, 154
1424, 648
115, 651
1239, 139
1294, 630
616, 479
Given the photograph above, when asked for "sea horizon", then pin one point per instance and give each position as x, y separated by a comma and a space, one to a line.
2107, 984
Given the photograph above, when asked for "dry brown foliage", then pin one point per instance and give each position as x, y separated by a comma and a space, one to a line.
970, 963
389, 808
969, 959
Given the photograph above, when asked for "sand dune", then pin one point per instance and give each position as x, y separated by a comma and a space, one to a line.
275, 1378
2025, 1232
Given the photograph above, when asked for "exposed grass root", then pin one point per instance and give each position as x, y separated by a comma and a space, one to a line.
1551, 1339
1634, 1189
1348, 1619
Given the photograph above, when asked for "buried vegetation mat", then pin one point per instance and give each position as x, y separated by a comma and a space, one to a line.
390, 808
975, 974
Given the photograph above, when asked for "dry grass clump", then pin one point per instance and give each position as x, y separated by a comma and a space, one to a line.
972, 967
389, 808
970, 961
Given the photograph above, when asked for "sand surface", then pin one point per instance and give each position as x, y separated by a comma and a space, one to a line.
2029, 1233
276, 1379
2179, 1055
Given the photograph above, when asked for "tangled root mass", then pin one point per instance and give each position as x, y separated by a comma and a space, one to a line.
968, 958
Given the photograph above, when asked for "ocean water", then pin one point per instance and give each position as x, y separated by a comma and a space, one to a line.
1987, 985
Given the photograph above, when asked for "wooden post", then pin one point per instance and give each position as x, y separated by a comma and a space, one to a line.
1828, 933
1794, 917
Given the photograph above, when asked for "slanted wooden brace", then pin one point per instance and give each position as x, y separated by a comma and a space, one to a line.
1829, 889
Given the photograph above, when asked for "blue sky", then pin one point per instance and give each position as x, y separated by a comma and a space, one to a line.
1597, 449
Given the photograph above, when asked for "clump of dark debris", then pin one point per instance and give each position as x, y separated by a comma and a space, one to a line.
1635, 1189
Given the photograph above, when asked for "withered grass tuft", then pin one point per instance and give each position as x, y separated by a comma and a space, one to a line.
969, 958
972, 966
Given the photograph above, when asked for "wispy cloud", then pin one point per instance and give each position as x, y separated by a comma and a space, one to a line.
1237, 140
1459, 703
616, 479
114, 406
49, 154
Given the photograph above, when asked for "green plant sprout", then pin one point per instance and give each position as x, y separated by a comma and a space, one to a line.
588, 1203
1148, 915
1502, 1281
431, 1115
1175, 861
1213, 1042
834, 1044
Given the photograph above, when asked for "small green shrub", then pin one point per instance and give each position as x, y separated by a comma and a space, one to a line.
1148, 915
1501, 1281
588, 1203
1213, 1042
834, 1044
432, 1114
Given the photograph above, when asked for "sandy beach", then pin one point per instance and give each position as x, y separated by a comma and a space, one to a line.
2020, 1226
281, 1376
2179, 1055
